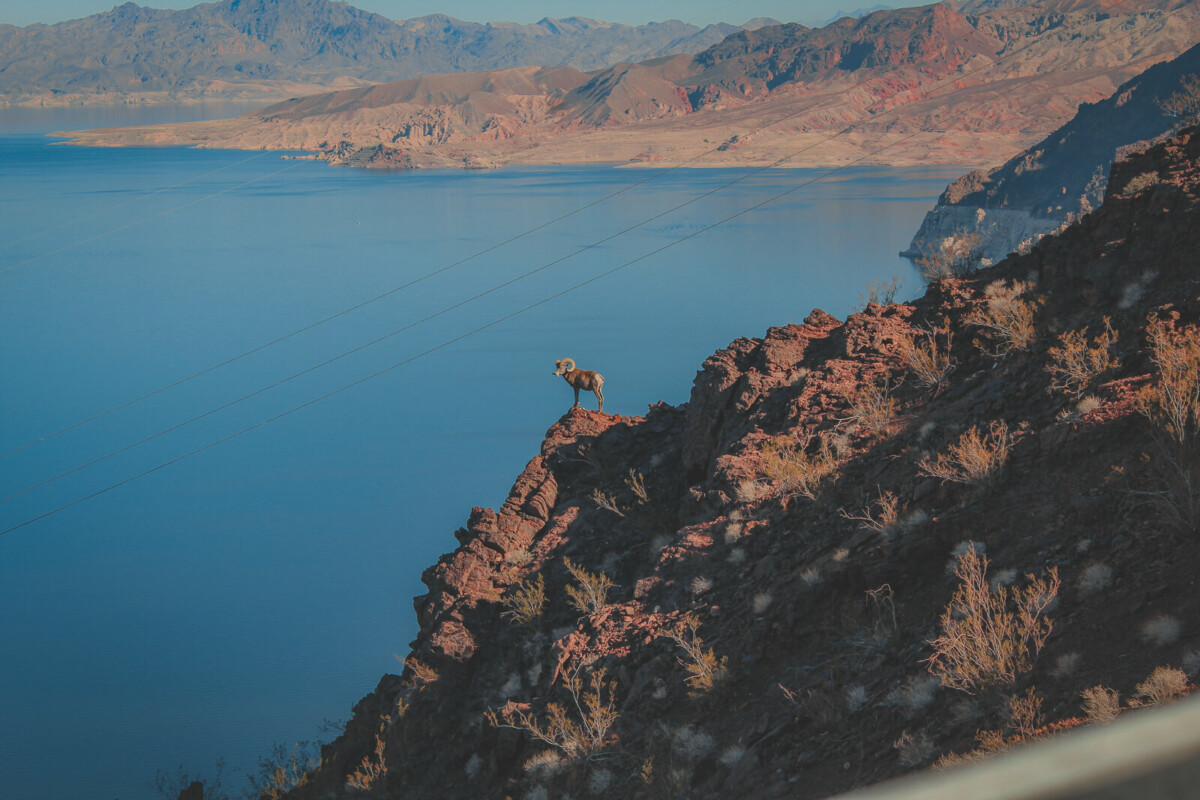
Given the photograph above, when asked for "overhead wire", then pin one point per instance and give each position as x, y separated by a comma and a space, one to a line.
130, 201
543, 301
336, 315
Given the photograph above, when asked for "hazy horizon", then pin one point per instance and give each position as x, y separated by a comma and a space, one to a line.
28, 12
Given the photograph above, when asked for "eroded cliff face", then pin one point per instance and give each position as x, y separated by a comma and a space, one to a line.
812, 609
1061, 177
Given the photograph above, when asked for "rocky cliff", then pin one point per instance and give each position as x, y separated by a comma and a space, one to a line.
741, 595
1059, 178
906, 86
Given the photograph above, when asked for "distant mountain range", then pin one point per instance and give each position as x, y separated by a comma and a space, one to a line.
969, 84
264, 49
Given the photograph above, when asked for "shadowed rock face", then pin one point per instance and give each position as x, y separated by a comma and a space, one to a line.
1062, 176
820, 615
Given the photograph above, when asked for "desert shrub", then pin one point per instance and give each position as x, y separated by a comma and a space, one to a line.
975, 458
1161, 630
526, 601
884, 520
1066, 665
580, 731
881, 292
1184, 104
606, 501
1101, 704
206, 788
1074, 366
1095, 578
1164, 685
914, 695
991, 636
1140, 183
1006, 319
794, 469
914, 749
371, 769
590, 593
284, 769
637, 484
1172, 402
873, 409
703, 667
928, 361
1025, 717
958, 256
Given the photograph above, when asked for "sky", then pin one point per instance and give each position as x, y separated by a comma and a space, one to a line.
630, 12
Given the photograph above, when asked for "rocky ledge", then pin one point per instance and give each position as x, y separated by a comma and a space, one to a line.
769, 563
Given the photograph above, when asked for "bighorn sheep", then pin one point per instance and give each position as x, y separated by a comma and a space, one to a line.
580, 379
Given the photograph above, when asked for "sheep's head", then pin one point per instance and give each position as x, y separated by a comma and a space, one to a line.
564, 366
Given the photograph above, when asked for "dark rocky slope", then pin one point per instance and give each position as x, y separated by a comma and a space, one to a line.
822, 619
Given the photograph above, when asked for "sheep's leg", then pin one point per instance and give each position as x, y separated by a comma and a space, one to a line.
600, 397
576, 388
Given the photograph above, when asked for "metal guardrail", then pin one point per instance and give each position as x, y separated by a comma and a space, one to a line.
1151, 754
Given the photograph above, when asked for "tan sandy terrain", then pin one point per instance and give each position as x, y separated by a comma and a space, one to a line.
912, 86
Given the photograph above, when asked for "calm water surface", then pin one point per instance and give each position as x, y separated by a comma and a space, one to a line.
240, 597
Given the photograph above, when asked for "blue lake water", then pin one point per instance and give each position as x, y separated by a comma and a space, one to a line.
239, 597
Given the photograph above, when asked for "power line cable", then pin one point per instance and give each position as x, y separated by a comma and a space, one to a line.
513, 314
929, 93
132, 200
554, 296
143, 220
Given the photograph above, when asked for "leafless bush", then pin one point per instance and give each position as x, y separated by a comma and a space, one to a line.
704, 669
794, 469
371, 769
1074, 365
583, 737
925, 358
1172, 403
1164, 685
883, 520
975, 459
590, 593
873, 409
958, 256
991, 637
1006, 319
881, 292
526, 601
284, 769
1025, 717
914, 749
1184, 104
1101, 704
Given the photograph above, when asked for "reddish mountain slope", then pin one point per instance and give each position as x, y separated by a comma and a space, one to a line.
816, 606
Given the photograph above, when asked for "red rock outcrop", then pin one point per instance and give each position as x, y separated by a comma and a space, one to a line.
817, 610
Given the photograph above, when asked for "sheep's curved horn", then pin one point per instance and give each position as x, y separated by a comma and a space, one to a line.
570, 361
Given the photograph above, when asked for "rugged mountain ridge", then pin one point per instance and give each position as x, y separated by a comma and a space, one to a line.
813, 609
1059, 178
259, 49
906, 86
